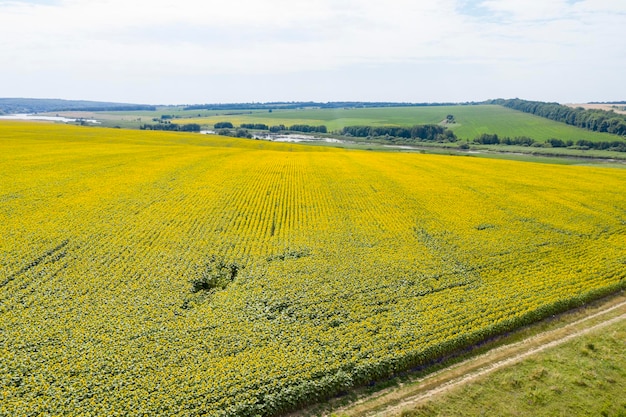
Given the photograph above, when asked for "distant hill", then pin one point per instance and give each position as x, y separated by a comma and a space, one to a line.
292, 105
37, 105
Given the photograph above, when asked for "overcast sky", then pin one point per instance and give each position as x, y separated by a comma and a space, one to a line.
192, 51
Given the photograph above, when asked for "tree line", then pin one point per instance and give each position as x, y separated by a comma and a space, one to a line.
595, 120
255, 126
308, 129
420, 132
494, 139
172, 127
291, 105
274, 129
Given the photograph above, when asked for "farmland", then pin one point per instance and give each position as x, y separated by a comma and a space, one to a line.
583, 377
471, 120
152, 273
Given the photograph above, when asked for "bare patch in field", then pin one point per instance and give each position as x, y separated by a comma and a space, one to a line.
617, 108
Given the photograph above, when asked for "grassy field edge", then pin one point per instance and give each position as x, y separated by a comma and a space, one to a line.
391, 396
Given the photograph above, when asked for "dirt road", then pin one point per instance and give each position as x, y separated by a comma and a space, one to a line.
391, 402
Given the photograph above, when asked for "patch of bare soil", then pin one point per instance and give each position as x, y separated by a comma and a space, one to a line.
617, 108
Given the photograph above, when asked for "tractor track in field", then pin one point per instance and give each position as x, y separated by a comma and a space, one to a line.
392, 401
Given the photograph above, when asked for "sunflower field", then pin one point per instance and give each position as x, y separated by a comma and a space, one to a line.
152, 273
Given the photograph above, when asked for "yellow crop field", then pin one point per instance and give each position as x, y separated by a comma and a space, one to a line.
152, 273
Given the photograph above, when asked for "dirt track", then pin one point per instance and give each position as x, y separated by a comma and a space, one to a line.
392, 401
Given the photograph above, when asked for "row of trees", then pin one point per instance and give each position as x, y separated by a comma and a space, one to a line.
282, 105
278, 128
618, 146
591, 119
172, 127
256, 126
274, 129
418, 132
308, 129
494, 139
237, 133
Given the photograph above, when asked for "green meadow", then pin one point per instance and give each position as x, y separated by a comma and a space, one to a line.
471, 120
582, 377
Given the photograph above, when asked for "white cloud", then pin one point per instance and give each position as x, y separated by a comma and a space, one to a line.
119, 41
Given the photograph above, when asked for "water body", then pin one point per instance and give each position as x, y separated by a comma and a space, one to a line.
60, 119
298, 138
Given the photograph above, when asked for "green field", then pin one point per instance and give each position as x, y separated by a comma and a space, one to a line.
471, 121
586, 376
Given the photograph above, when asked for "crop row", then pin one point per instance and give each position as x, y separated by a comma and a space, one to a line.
350, 266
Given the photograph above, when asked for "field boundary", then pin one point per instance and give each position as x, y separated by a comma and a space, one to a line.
419, 389
497, 365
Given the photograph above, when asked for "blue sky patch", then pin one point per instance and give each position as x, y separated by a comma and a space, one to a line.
473, 8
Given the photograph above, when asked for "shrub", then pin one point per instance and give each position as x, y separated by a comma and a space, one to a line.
217, 274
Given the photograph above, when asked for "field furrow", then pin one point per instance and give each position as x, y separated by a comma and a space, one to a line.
149, 273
